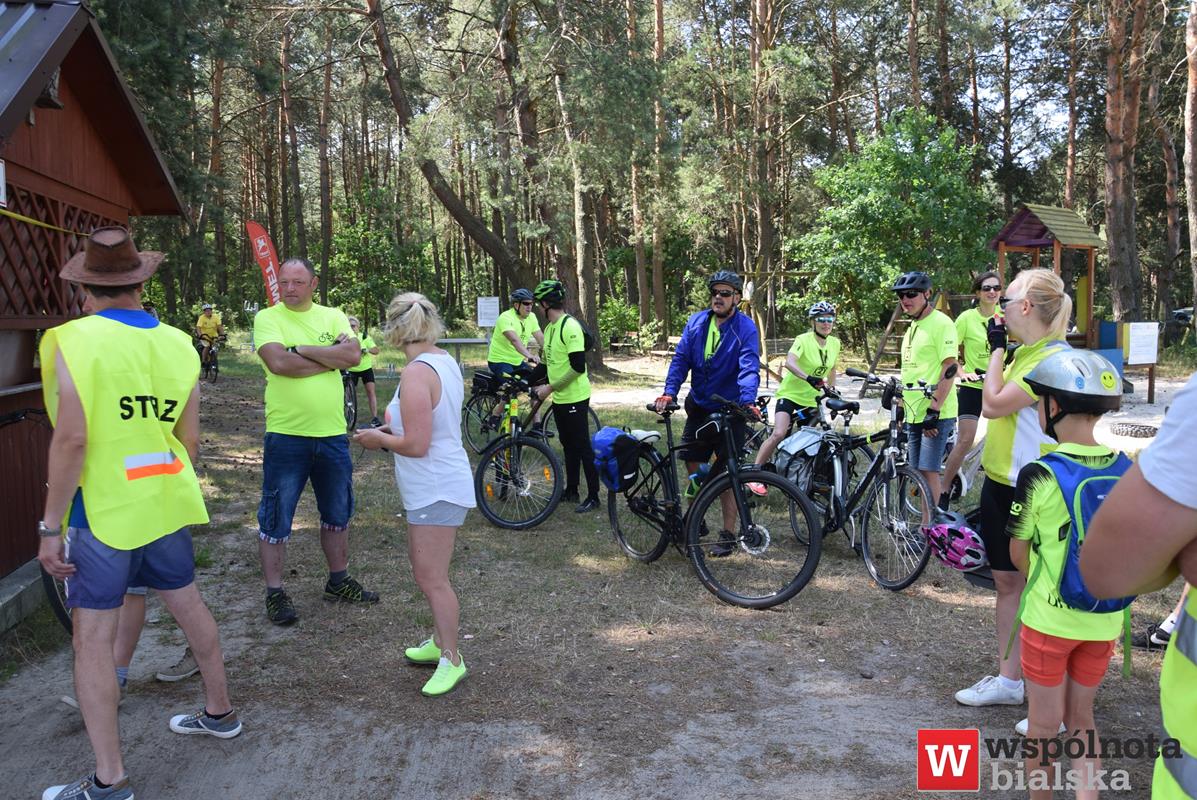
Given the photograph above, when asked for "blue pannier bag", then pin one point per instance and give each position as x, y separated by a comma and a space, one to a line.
616, 455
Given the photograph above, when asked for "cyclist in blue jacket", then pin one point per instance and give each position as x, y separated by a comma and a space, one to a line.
720, 351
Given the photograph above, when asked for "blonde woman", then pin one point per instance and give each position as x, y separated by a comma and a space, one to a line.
423, 431
1035, 311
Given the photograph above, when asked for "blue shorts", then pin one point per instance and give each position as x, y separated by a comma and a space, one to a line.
925, 453
103, 574
288, 462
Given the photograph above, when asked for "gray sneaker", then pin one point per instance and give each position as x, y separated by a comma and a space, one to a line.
86, 789
185, 668
69, 699
200, 722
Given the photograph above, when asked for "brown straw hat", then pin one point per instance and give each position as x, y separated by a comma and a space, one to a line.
109, 258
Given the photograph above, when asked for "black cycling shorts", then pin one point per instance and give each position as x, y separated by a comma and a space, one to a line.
968, 402
995, 514
701, 450
365, 376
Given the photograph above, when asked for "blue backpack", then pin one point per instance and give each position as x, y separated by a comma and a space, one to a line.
1083, 488
616, 454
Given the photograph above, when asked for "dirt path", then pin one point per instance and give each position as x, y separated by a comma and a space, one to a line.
591, 676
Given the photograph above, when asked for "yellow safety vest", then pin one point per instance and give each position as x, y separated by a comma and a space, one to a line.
138, 482
1176, 778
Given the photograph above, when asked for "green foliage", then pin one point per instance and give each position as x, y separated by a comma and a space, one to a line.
617, 319
905, 203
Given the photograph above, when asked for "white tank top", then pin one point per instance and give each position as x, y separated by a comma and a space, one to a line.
443, 473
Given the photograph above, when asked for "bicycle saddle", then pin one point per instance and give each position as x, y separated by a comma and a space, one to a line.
646, 436
838, 404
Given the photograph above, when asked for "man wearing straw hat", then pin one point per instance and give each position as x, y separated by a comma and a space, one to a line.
120, 388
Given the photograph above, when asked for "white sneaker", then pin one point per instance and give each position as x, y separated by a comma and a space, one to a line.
1021, 728
989, 691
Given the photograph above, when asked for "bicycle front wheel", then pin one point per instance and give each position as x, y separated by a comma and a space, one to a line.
640, 515
518, 482
56, 595
768, 559
350, 404
893, 544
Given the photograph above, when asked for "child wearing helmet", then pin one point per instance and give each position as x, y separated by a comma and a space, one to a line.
810, 365
1065, 650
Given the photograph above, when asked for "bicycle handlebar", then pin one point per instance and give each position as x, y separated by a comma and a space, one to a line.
671, 407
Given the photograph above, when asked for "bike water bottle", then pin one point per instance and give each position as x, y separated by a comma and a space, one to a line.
697, 479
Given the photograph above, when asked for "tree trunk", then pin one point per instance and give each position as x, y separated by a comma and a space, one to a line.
1191, 142
1006, 168
1163, 133
944, 106
301, 235
516, 270
912, 54
1070, 155
659, 180
326, 276
639, 292
1124, 74
976, 98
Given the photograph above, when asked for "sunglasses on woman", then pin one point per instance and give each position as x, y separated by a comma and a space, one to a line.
991, 288
826, 320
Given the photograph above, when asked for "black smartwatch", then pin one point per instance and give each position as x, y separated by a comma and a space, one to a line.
293, 349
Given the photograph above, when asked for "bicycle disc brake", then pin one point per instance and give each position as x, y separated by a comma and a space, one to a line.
756, 539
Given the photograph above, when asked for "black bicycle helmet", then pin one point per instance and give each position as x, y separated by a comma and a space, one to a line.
550, 291
521, 296
728, 277
912, 282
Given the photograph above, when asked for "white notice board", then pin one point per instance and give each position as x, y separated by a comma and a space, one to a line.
1144, 341
488, 312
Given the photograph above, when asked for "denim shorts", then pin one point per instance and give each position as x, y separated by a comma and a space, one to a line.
925, 453
288, 462
103, 574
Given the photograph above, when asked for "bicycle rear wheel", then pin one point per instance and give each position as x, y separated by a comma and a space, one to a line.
765, 563
639, 517
350, 403
56, 596
549, 422
518, 482
476, 412
893, 544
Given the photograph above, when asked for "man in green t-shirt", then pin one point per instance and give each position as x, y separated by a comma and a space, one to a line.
304, 347
364, 371
929, 350
565, 358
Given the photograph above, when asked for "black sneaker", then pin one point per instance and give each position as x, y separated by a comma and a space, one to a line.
944, 500
279, 609
1151, 639
349, 591
724, 547
570, 497
590, 504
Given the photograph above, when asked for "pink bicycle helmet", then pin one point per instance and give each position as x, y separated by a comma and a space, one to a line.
955, 543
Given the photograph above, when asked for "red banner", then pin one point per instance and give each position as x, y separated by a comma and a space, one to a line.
267, 259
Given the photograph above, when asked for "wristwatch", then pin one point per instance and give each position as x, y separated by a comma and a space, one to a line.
45, 531
293, 349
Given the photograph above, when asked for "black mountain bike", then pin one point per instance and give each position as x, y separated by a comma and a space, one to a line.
484, 396
769, 556
517, 482
877, 496
350, 402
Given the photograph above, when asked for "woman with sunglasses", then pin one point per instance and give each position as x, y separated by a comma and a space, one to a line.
1036, 311
972, 329
811, 361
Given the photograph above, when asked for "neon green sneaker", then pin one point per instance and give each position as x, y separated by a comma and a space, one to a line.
445, 679
427, 654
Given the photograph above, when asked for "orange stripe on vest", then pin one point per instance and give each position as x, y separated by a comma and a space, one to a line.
173, 468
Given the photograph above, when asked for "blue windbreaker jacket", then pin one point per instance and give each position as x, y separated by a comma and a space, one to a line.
733, 370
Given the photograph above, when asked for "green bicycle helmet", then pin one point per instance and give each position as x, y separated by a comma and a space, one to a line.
550, 291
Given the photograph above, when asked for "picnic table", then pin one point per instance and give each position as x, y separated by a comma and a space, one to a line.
457, 345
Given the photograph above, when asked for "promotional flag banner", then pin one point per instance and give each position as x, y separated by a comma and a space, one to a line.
264, 252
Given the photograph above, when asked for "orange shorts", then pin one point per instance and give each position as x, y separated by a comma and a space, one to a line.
1046, 658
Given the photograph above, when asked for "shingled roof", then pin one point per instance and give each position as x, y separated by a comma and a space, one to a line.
1040, 226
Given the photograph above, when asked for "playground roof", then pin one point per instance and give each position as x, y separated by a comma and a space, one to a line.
38, 38
1040, 226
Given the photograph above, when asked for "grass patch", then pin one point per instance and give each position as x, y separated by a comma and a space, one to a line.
35, 637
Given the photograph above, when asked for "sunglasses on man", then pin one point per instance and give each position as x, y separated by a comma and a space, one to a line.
909, 295
722, 293
526, 303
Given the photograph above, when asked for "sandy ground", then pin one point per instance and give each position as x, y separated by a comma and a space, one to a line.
813, 718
